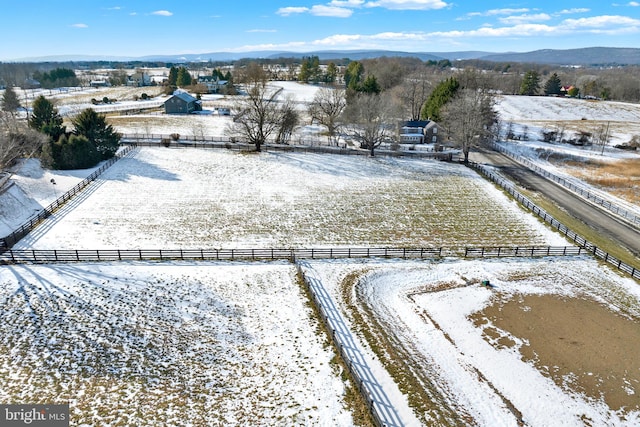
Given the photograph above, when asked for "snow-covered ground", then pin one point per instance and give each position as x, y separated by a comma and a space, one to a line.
212, 198
236, 343
167, 344
427, 307
573, 115
149, 200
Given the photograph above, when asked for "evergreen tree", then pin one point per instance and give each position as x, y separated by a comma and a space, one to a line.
69, 152
59, 77
45, 118
353, 75
553, 85
370, 85
442, 93
305, 73
10, 102
332, 73
184, 78
314, 69
173, 76
530, 83
95, 128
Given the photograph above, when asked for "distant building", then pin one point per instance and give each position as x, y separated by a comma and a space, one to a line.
212, 84
139, 79
181, 103
418, 132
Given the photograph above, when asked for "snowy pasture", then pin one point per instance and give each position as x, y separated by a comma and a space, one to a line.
236, 343
573, 115
199, 198
167, 344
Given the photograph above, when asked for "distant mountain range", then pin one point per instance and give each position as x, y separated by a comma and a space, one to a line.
584, 56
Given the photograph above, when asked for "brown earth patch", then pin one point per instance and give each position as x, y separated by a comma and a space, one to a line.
582, 345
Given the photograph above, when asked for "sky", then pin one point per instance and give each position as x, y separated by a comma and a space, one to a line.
136, 28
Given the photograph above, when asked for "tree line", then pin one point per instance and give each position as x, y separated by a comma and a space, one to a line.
362, 101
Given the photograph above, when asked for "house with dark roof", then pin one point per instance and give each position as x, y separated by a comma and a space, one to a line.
181, 103
418, 132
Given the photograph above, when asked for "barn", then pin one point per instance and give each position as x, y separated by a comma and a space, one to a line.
181, 103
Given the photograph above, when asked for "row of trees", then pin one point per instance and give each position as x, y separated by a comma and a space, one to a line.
59, 77
363, 111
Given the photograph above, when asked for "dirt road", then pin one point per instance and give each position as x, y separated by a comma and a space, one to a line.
596, 218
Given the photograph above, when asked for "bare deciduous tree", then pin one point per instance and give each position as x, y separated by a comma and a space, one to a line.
468, 119
17, 141
289, 119
327, 106
370, 117
413, 93
261, 113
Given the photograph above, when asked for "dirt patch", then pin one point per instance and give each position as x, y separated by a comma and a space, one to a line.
582, 345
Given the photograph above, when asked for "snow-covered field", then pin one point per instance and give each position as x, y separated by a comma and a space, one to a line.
573, 115
236, 343
167, 344
199, 198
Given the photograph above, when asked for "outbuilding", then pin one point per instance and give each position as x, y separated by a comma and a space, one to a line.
181, 103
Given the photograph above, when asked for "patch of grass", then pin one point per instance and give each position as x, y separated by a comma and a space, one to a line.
621, 178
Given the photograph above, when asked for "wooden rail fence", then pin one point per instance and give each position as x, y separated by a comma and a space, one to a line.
581, 190
17, 256
10, 240
577, 239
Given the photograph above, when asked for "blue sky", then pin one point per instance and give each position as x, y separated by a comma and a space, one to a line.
149, 27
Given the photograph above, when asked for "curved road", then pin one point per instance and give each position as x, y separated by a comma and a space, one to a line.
599, 220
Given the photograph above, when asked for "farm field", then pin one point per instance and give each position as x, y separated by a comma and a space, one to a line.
237, 343
198, 198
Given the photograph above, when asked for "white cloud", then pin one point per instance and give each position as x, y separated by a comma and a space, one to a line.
333, 11
633, 4
317, 10
162, 13
347, 3
523, 19
344, 8
496, 12
416, 41
286, 11
612, 23
408, 4
80, 26
574, 10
